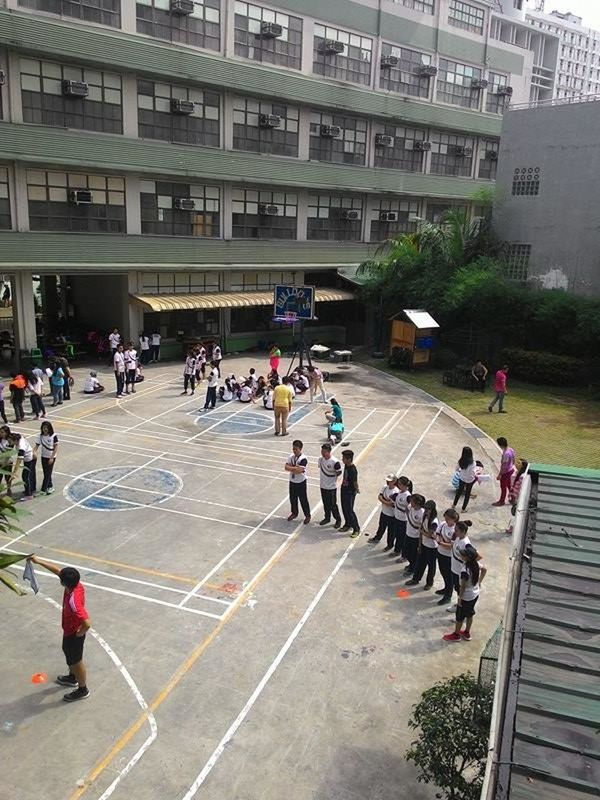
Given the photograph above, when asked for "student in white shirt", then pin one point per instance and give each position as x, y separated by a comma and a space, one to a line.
35, 387
47, 442
252, 379
92, 385
330, 470
26, 461
189, 372
296, 466
315, 383
216, 358
405, 488
387, 498
444, 537
119, 367
427, 558
268, 399
144, 348
114, 340
211, 389
246, 394
470, 579
155, 345
414, 518
461, 540
466, 477
226, 391
131, 364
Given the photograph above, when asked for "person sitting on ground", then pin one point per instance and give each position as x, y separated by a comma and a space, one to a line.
139, 374
273, 377
268, 398
253, 379
261, 387
335, 414
246, 394
335, 432
92, 385
226, 392
302, 383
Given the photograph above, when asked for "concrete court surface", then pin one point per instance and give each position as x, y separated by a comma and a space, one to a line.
235, 654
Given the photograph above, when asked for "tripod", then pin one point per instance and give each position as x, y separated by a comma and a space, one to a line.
301, 352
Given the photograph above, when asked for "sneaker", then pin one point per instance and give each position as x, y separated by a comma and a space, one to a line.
387, 549
489, 409
451, 637
441, 592
338, 524
355, 533
411, 582
66, 680
50, 490
374, 540
465, 635
428, 587
81, 693
291, 517
392, 554
408, 570
325, 522
502, 412
400, 560
307, 519
443, 601
345, 529
498, 504
451, 608
276, 433
26, 497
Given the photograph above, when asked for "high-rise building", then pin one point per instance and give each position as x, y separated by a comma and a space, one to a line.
165, 163
578, 70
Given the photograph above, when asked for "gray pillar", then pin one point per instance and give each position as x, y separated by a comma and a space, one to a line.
23, 311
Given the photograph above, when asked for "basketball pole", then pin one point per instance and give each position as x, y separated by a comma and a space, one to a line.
300, 352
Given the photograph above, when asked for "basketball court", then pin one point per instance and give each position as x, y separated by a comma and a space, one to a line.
233, 653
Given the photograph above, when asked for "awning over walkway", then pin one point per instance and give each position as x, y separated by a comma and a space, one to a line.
191, 302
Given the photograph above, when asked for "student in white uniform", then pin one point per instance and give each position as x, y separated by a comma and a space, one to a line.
226, 392
200, 363
427, 558
246, 393
47, 443
131, 363
296, 465
470, 579
330, 470
24, 460
189, 372
387, 498
444, 537
217, 357
253, 379
144, 348
92, 385
211, 389
414, 518
405, 488
466, 477
114, 340
268, 399
119, 367
461, 540
155, 345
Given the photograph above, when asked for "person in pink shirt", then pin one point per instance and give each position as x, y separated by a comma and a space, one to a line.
507, 468
500, 389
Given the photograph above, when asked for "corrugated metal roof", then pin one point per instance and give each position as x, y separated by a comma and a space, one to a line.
33, 144
181, 302
556, 737
88, 251
133, 53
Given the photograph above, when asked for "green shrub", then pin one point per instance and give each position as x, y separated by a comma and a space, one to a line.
545, 368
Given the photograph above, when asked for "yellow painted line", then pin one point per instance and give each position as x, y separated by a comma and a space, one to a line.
197, 652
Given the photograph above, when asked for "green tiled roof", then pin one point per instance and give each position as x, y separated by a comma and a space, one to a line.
115, 50
86, 252
55, 146
556, 741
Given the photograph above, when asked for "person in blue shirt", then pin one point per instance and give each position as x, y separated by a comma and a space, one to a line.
335, 414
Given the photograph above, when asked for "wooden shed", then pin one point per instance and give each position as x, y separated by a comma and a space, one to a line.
414, 330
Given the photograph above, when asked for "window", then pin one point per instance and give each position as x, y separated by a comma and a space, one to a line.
404, 78
426, 6
455, 84
45, 104
465, 16
284, 49
180, 282
488, 159
264, 214
157, 120
259, 281
404, 153
161, 216
348, 146
352, 62
436, 211
104, 12
5, 223
254, 130
526, 181
201, 28
517, 261
451, 154
335, 217
496, 103
393, 218
53, 207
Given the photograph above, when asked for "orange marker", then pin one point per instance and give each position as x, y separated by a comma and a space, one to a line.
39, 677
403, 593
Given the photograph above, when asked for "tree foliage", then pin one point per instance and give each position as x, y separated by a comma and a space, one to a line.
453, 720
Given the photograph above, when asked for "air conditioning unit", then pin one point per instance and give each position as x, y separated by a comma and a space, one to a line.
2, 77
349, 214
505, 91
80, 197
491, 155
421, 146
184, 204
389, 61
331, 47
74, 88
479, 83
266, 210
269, 121
182, 107
427, 71
270, 30
383, 140
182, 8
460, 150
388, 216
330, 131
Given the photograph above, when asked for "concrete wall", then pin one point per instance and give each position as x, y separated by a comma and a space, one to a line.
562, 223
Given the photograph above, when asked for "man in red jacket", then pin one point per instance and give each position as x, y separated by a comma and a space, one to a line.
75, 625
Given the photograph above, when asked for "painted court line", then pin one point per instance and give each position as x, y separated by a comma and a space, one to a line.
214, 425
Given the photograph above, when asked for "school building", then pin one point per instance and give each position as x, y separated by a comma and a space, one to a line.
165, 163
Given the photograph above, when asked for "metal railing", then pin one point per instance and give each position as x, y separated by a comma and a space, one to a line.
556, 101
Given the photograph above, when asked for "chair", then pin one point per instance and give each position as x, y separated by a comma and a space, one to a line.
36, 353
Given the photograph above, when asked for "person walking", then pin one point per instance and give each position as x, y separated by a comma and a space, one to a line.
130, 358
315, 383
274, 358
283, 395
500, 389
505, 473
387, 498
36, 391
17, 395
329, 471
47, 443
444, 537
217, 357
144, 348
75, 624
119, 367
296, 465
471, 577
155, 345
348, 493
24, 460
466, 477
57, 384
189, 372
211, 389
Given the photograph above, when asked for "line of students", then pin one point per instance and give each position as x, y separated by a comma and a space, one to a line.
17, 453
416, 538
